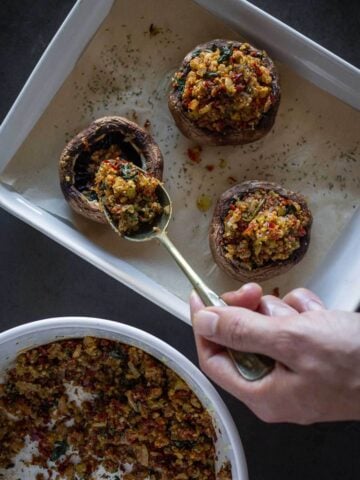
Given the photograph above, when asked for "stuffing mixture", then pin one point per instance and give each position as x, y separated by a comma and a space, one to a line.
130, 195
85, 169
225, 88
98, 409
263, 227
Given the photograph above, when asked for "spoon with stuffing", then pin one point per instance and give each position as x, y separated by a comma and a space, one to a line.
250, 365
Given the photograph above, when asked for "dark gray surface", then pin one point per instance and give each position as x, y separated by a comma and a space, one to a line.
40, 279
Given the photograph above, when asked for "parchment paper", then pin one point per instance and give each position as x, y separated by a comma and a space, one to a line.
125, 70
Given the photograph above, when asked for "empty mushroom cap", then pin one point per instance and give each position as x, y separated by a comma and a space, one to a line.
233, 267
229, 136
77, 168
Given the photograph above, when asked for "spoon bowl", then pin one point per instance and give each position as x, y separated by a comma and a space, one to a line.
147, 231
161, 223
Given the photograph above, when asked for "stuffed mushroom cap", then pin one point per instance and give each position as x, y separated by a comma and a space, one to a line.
259, 230
105, 138
225, 93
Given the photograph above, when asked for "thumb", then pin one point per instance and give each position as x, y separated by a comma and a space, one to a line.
241, 329
196, 303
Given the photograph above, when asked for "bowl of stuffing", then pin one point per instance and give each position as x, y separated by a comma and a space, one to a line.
87, 398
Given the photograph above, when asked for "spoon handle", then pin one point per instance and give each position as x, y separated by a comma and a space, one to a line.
251, 366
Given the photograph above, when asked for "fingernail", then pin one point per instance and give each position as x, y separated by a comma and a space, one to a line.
205, 323
314, 305
280, 311
276, 310
233, 296
246, 287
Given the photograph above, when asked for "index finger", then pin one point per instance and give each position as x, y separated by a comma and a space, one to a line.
248, 296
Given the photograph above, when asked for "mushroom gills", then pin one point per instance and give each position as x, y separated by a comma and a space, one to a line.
85, 166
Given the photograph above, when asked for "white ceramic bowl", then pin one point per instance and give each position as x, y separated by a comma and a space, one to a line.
45, 331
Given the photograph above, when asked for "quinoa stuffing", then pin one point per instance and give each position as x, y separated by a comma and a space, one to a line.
263, 227
225, 87
86, 168
129, 195
96, 408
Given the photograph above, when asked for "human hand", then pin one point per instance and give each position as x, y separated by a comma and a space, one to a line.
317, 353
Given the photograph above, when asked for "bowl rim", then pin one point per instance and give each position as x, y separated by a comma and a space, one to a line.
159, 349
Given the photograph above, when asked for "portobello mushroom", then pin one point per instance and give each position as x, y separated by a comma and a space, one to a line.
105, 138
259, 230
225, 93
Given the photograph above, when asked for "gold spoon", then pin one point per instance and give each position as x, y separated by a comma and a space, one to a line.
251, 366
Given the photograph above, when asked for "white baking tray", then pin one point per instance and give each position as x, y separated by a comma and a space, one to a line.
336, 279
